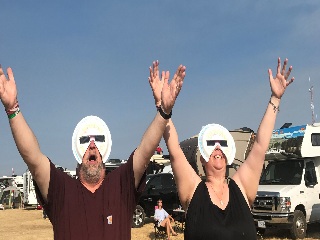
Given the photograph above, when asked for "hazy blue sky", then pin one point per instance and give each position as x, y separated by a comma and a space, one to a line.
77, 58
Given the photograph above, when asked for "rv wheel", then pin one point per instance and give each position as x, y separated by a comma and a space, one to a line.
299, 225
138, 217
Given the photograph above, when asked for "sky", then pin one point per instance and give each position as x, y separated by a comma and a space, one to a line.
72, 59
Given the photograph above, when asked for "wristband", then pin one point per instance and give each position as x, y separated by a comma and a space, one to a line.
12, 115
163, 114
13, 111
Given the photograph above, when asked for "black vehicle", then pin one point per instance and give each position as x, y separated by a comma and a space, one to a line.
161, 185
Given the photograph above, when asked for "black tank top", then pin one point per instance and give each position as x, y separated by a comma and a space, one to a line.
205, 220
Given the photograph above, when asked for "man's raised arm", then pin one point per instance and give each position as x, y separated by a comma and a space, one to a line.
24, 138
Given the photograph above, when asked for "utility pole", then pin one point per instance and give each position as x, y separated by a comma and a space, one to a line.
312, 105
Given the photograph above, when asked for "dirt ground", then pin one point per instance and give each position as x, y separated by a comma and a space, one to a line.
21, 224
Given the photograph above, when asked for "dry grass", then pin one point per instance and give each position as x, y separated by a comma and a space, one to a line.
21, 224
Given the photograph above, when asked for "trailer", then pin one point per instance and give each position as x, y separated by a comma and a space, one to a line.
243, 137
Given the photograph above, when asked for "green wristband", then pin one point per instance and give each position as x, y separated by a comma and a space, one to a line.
10, 116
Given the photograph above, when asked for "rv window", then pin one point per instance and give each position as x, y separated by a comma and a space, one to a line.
282, 173
310, 176
315, 139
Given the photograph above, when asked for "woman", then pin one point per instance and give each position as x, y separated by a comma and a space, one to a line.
164, 219
217, 208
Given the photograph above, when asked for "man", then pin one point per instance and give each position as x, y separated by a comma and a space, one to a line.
96, 205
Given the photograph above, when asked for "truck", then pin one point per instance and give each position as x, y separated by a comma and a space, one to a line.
288, 195
160, 185
244, 138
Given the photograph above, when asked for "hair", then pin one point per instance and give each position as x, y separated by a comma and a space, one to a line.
91, 176
79, 165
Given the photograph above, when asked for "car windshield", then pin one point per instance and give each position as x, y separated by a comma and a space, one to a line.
287, 172
148, 178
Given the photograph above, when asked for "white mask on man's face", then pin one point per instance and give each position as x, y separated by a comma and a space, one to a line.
91, 128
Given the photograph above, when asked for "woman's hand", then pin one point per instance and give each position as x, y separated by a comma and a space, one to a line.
280, 82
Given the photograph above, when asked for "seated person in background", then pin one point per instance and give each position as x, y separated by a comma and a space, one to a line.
163, 219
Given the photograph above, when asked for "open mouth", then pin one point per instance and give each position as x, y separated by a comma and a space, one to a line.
92, 158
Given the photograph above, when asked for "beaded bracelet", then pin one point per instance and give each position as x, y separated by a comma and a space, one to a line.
275, 108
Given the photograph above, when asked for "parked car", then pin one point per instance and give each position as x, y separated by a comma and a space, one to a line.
161, 185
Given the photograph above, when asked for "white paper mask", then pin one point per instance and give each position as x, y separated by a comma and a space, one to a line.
91, 128
212, 135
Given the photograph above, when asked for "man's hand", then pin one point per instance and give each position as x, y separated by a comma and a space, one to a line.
155, 82
8, 89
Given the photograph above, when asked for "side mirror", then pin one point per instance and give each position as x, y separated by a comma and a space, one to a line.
310, 185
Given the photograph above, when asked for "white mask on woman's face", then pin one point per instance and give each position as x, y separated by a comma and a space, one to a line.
213, 135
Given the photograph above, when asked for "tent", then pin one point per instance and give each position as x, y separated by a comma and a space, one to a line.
11, 198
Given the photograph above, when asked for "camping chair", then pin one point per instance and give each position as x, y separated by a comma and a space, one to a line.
179, 222
159, 231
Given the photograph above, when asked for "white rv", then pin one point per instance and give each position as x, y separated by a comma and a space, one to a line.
18, 182
289, 189
29, 192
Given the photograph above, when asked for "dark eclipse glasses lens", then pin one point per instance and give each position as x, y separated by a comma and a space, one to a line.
97, 138
223, 143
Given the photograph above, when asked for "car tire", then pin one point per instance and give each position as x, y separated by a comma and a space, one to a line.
299, 225
261, 232
138, 217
